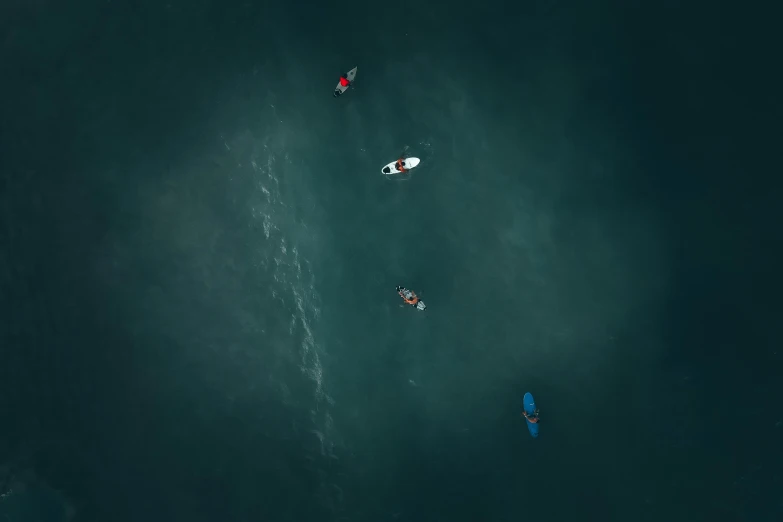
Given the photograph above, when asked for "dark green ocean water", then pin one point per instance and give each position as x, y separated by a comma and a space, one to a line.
199, 256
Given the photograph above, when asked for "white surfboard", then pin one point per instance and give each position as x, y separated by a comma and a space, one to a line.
340, 89
407, 164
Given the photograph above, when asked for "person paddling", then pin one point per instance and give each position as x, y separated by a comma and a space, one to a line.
531, 417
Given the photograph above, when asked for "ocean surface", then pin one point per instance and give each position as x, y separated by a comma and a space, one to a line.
199, 254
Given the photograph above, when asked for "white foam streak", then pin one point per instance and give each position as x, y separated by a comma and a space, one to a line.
281, 255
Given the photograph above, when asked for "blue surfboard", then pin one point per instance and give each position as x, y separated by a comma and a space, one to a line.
530, 409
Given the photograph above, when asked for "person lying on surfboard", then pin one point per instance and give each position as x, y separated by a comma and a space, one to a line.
408, 296
532, 418
344, 81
